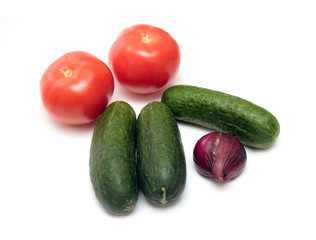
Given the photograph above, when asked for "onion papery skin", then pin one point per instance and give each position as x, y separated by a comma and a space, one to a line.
219, 156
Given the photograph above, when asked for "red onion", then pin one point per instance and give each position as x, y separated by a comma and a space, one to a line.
220, 156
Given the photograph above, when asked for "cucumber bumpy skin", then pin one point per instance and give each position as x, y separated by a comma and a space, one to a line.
253, 125
160, 156
112, 159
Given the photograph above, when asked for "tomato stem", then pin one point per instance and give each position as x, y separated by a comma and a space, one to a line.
145, 40
68, 73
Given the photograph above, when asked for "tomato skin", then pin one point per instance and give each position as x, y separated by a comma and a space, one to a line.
76, 88
144, 58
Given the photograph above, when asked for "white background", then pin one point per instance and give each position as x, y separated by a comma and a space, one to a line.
263, 51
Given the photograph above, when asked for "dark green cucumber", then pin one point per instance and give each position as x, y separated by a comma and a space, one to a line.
112, 159
253, 125
160, 156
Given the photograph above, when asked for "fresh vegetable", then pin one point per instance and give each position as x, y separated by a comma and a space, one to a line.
112, 159
251, 124
160, 155
144, 58
220, 156
76, 88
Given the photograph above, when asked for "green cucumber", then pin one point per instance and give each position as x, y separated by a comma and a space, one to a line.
112, 163
253, 125
160, 156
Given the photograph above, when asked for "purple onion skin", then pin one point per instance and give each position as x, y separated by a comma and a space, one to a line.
220, 156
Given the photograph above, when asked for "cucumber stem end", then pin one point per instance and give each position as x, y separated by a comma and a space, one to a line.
164, 196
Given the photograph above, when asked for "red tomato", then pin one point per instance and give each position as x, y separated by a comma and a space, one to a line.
76, 88
144, 58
